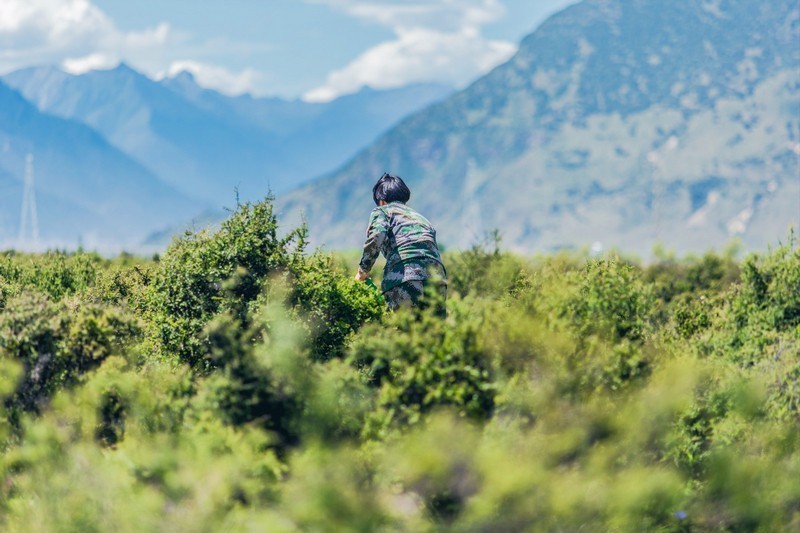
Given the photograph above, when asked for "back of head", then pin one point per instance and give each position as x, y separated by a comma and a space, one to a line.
390, 189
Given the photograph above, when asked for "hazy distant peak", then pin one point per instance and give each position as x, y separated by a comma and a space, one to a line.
124, 68
184, 76
44, 72
183, 82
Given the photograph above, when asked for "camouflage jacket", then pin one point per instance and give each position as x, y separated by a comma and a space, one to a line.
407, 241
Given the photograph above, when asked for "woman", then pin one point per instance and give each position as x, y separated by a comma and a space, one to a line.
408, 242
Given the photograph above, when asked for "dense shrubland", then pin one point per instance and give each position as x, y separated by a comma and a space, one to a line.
241, 382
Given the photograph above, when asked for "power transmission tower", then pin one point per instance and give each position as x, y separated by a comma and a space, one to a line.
29, 214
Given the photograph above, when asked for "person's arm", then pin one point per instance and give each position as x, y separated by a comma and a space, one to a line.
376, 235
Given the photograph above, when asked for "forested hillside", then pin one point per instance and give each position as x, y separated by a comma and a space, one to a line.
238, 382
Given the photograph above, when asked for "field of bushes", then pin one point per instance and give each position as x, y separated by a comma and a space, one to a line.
241, 382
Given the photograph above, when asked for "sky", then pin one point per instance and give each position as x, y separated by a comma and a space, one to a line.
311, 49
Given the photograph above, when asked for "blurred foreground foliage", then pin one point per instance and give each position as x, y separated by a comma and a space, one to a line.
241, 383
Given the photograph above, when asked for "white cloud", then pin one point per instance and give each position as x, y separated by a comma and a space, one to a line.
435, 41
443, 15
95, 61
50, 19
78, 36
215, 77
50, 31
417, 55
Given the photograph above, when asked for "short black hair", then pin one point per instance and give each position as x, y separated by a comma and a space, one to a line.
390, 189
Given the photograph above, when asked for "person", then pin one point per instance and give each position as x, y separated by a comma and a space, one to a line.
408, 242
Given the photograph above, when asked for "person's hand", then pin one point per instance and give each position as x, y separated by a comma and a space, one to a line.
361, 276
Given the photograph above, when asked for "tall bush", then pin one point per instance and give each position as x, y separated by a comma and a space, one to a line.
192, 282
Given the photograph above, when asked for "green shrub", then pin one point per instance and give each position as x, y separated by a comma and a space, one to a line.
758, 320
192, 284
692, 314
57, 344
122, 286
332, 489
708, 274
232, 270
237, 381
333, 304
435, 462
419, 361
187, 480
56, 273
484, 269
769, 296
611, 302
243, 389
605, 309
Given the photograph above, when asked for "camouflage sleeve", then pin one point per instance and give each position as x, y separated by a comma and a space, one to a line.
376, 234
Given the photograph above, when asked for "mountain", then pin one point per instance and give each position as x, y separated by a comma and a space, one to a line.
209, 145
313, 138
201, 154
86, 189
618, 123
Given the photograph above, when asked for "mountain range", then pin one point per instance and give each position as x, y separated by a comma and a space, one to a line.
87, 191
618, 123
206, 144
121, 158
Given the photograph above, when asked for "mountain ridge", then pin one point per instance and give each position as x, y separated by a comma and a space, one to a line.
207, 144
547, 153
89, 190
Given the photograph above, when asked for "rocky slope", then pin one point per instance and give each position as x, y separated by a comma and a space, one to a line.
619, 123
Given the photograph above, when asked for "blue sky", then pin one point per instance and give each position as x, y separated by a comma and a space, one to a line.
315, 49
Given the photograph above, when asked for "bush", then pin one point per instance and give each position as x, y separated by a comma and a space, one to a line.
243, 389
57, 345
606, 310
769, 296
484, 269
333, 304
708, 274
611, 302
230, 271
192, 284
419, 361
56, 274
238, 381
